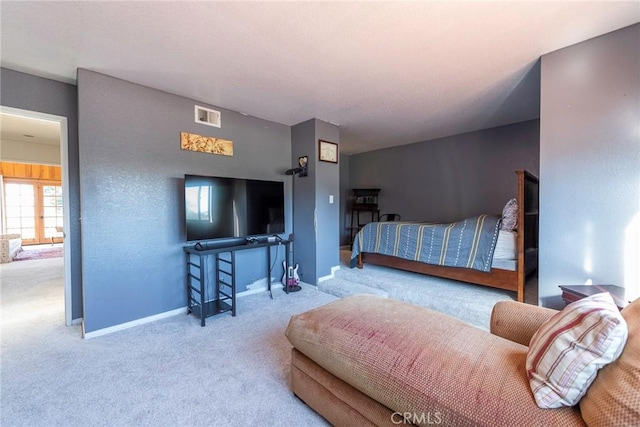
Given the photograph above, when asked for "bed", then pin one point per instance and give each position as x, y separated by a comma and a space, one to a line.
471, 250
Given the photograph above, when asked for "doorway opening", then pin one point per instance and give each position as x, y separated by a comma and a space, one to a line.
50, 198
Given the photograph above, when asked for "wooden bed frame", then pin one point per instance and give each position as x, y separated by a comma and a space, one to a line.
527, 239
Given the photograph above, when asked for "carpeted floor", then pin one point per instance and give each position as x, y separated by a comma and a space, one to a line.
471, 303
173, 372
168, 373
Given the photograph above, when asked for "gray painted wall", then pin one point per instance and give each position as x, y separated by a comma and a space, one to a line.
27, 92
450, 178
328, 214
131, 178
304, 198
590, 164
345, 193
316, 222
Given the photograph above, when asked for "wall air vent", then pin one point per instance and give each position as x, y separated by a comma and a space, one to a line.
206, 116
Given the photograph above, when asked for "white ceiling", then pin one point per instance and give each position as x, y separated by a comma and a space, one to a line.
23, 129
388, 73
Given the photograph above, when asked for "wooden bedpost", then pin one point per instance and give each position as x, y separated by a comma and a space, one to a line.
360, 263
527, 224
520, 242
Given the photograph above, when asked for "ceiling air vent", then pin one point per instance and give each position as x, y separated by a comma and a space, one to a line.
205, 116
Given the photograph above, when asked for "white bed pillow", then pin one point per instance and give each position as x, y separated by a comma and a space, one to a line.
505, 245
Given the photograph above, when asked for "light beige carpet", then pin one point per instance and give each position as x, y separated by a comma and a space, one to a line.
173, 372
470, 303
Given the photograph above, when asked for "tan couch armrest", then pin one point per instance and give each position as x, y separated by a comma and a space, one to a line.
517, 321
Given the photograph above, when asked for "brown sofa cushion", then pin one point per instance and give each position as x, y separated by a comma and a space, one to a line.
416, 360
335, 400
614, 396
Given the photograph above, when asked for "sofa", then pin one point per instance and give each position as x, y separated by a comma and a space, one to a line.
368, 360
10, 246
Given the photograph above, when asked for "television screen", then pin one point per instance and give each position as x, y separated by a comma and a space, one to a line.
218, 207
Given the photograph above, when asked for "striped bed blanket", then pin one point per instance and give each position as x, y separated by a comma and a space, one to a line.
468, 243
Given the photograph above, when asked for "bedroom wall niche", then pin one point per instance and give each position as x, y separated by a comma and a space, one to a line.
450, 178
590, 165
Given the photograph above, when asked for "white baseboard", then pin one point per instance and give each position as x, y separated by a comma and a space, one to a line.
149, 319
330, 276
76, 322
257, 290
127, 325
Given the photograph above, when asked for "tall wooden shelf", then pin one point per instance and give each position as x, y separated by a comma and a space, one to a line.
364, 209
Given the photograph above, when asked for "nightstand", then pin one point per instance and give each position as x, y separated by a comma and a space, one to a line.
576, 292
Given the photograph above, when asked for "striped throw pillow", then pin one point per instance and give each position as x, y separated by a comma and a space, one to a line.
567, 351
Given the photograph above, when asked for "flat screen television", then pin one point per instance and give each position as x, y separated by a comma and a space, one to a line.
221, 208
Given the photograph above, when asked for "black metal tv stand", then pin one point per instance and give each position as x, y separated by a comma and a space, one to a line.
223, 299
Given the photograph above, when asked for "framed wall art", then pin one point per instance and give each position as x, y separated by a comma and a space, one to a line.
206, 144
327, 151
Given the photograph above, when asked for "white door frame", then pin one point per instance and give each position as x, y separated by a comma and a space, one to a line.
64, 164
